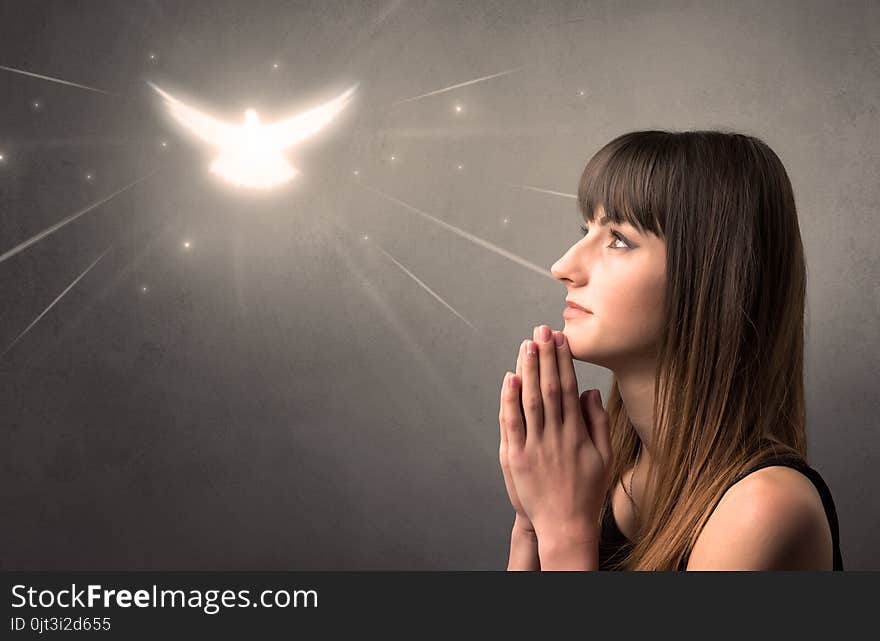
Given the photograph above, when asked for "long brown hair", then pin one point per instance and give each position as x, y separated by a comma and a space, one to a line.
729, 380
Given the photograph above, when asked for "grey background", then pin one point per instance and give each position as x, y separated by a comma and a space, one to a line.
284, 396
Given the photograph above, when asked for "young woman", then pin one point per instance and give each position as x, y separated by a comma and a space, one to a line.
689, 285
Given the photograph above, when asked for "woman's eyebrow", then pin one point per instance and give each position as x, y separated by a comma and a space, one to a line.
607, 219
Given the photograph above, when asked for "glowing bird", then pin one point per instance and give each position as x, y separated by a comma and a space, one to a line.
250, 155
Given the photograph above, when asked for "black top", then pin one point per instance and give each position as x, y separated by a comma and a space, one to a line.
613, 545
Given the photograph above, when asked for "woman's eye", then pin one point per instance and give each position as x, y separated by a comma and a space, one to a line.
618, 237
623, 243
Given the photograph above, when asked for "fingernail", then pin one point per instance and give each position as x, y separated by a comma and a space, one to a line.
545, 333
504, 382
531, 348
558, 338
514, 381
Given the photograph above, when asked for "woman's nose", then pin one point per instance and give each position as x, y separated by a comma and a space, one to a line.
561, 269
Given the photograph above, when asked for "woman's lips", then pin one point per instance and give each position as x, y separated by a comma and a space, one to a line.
574, 312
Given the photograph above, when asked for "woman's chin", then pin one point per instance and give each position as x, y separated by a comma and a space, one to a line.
575, 342
580, 346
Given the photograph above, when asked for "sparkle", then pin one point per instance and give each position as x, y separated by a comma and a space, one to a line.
88, 176
164, 144
187, 244
144, 289
459, 166
582, 93
355, 172
36, 104
275, 66
2, 156
458, 108
506, 221
366, 237
393, 157
152, 56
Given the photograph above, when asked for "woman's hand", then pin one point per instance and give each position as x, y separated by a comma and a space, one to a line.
558, 465
521, 522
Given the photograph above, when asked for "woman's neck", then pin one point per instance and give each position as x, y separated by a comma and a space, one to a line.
636, 387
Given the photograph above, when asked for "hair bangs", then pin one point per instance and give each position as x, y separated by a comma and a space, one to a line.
626, 180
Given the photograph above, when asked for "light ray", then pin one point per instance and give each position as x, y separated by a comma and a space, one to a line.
543, 191
59, 80
438, 382
52, 304
73, 322
461, 84
354, 47
557, 24
40, 236
471, 237
462, 131
52, 143
428, 289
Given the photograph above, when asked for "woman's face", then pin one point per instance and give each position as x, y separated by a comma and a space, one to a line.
624, 288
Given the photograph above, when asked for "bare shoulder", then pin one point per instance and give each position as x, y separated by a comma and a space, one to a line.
773, 519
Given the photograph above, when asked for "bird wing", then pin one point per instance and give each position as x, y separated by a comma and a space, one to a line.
209, 129
288, 132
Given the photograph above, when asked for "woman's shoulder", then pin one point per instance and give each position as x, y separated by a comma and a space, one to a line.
771, 518
780, 487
